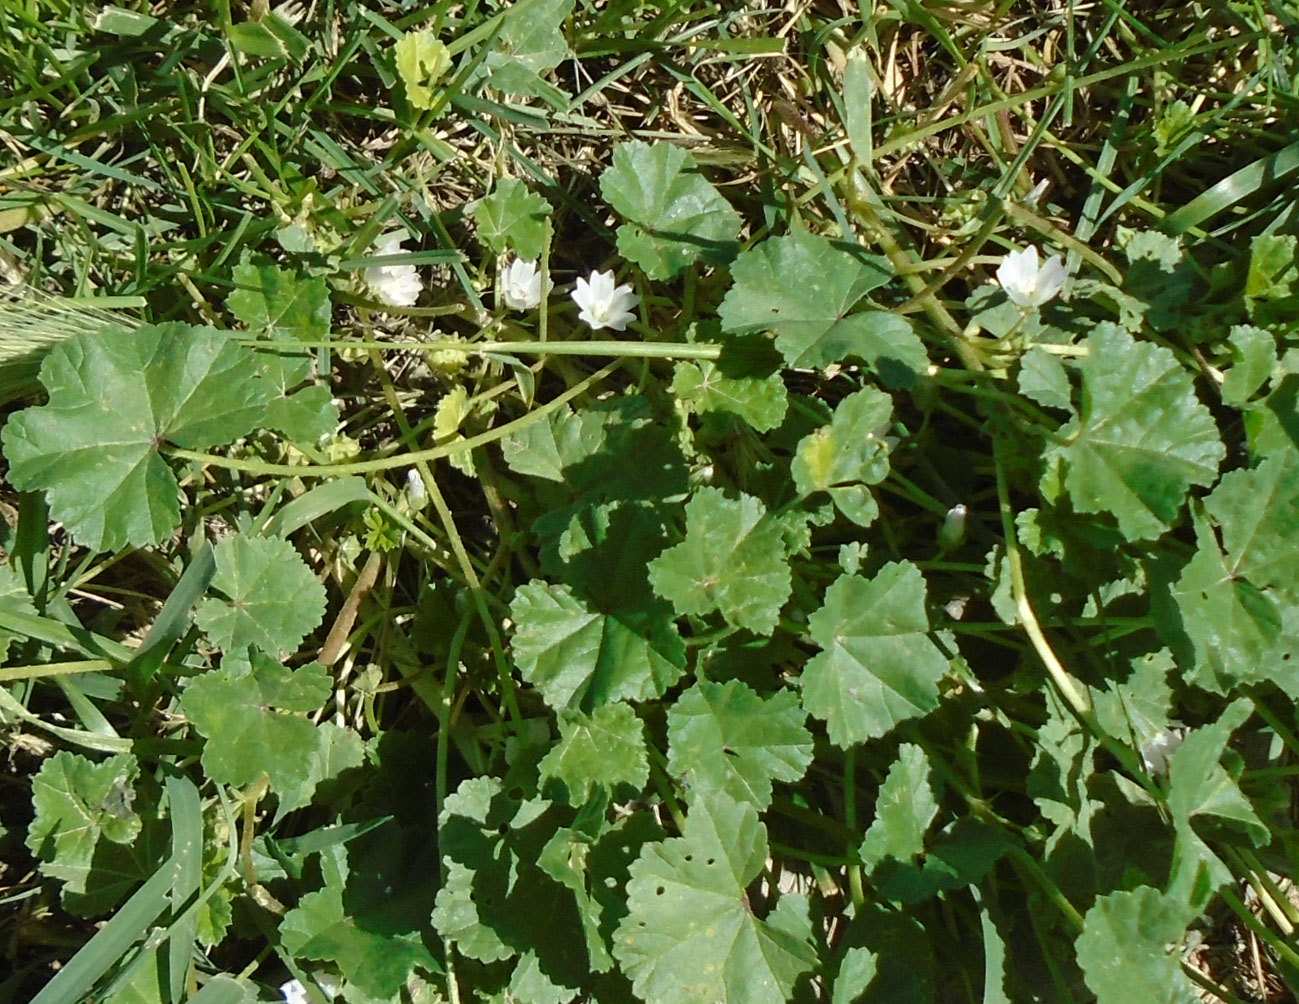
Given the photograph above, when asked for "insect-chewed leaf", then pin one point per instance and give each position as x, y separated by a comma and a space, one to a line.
690, 936
725, 737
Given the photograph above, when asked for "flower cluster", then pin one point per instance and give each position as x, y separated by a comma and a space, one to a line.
601, 303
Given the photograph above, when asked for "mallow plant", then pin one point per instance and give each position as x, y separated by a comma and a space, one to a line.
747, 638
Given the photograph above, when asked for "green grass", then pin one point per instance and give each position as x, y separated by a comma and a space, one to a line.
147, 151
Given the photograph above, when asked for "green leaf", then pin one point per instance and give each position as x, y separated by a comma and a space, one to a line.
114, 399
1273, 266
1143, 438
613, 449
733, 560
903, 810
1201, 791
247, 713
422, 61
801, 288
512, 217
725, 737
1258, 513
690, 936
500, 852
856, 972
1253, 358
279, 304
877, 666
1235, 629
1124, 948
580, 656
269, 598
1137, 709
78, 803
760, 401
1042, 377
850, 452
674, 216
369, 953
605, 749
529, 43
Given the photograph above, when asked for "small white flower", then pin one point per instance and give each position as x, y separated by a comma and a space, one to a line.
416, 493
1027, 283
395, 285
294, 992
520, 285
602, 305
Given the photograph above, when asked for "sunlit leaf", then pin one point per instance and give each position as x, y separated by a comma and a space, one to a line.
674, 216
802, 288
726, 737
1142, 438
878, 666
690, 936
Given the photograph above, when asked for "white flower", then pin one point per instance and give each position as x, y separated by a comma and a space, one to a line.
1027, 283
294, 992
416, 493
520, 285
395, 285
602, 305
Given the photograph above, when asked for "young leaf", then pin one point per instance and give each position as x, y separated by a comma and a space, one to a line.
1142, 440
1253, 358
674, 215
802, 287
725, 737
690, 936
269, 597
246, 712
604, 749
78, 802
877, 666
512, 217
278, 304
848, 454
733, 560
114, 399
529, 43
1123, 949
580, 656
760, 401
903, 810
422, 61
